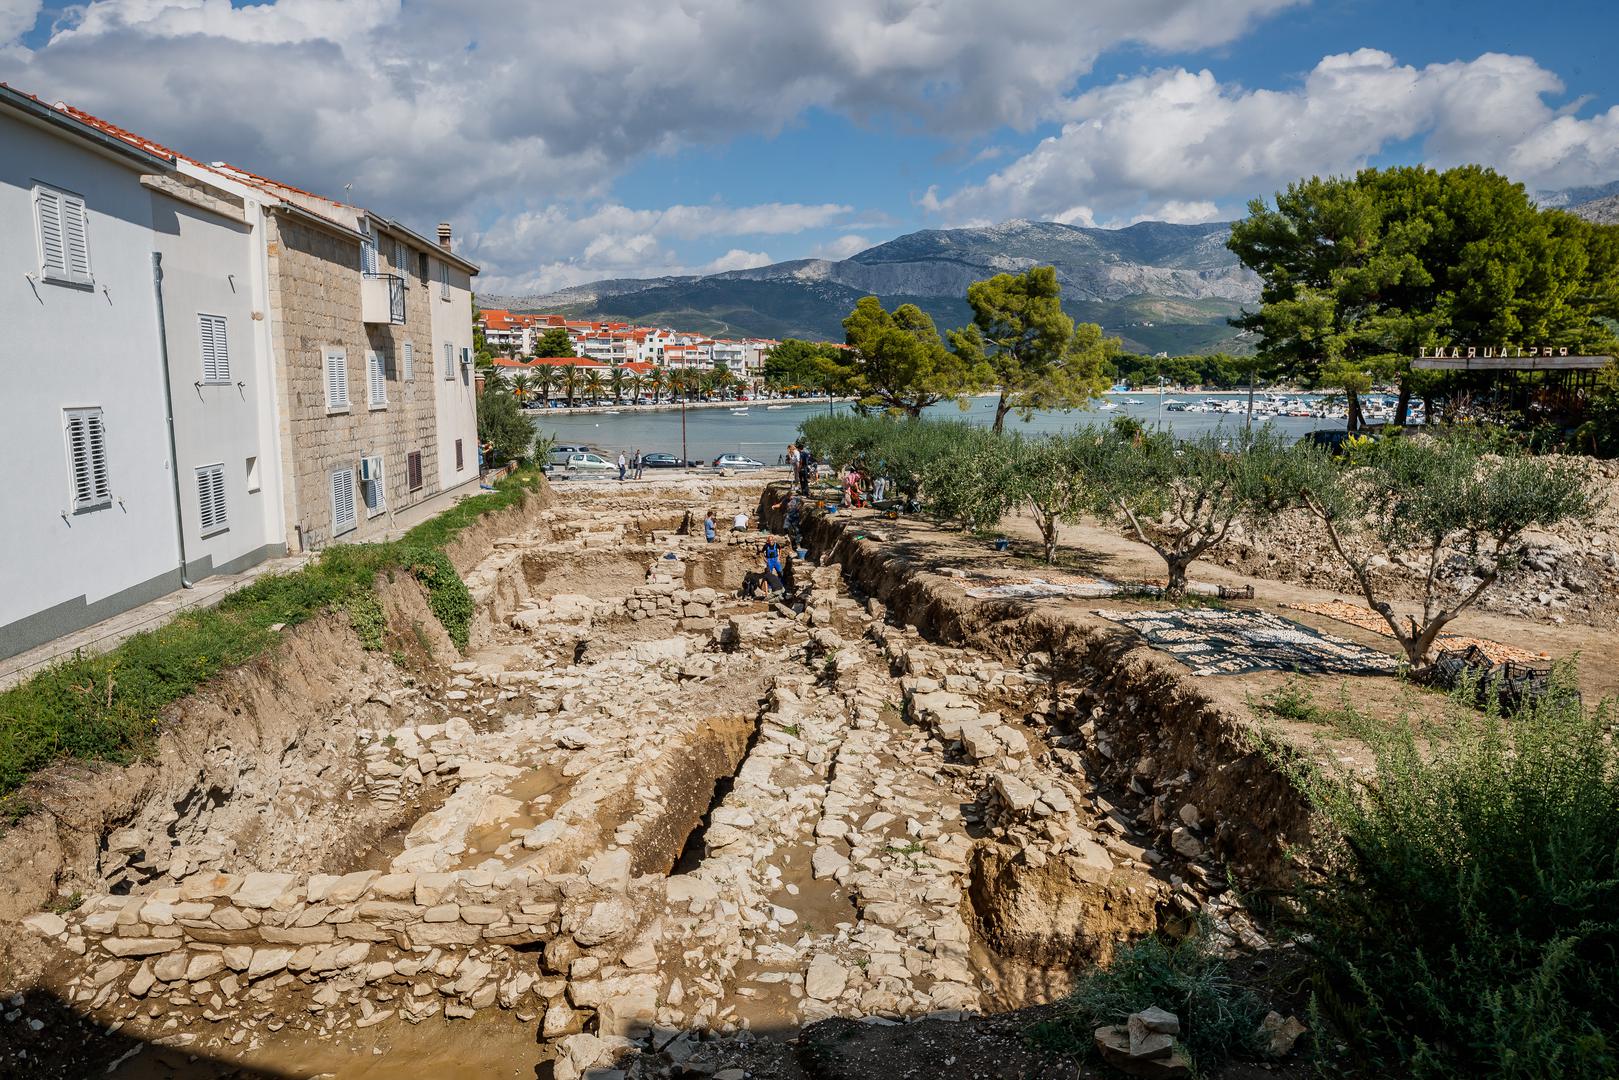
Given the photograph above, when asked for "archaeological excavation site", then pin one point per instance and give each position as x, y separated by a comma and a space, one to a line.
647, 825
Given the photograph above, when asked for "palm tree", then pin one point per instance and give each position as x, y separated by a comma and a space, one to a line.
545, 378
707, 382
570, 381
521, 384
495, 379
656, 380
615, 380
636, 383
594, 384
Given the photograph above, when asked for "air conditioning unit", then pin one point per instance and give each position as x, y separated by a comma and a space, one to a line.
370, 469
466, 357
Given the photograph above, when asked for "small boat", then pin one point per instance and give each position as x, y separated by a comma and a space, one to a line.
611, 412
778, 407
1108, 406
739, 412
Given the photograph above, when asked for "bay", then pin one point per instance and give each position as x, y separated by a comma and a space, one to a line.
764, 433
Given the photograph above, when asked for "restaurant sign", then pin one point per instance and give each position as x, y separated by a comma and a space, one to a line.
1470, 352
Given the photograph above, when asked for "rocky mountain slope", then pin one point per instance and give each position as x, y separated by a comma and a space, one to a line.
1603, 211
1156, 285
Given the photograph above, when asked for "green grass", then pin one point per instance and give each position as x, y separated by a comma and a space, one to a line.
1219, 1016
108, 707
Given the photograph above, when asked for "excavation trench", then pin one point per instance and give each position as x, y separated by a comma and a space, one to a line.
637, 801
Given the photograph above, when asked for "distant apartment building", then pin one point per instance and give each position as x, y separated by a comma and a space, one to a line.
238, 368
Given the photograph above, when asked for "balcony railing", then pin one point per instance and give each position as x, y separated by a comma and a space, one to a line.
382, 299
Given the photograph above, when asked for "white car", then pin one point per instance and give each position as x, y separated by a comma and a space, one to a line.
588, 463
736, 461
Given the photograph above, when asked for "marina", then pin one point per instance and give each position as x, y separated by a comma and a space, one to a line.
764, 433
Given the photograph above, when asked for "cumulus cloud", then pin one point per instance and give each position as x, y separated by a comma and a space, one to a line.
1173, 142
841, 248
536, 251
435, 108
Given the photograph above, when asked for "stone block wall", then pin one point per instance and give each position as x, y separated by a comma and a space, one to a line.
315, 285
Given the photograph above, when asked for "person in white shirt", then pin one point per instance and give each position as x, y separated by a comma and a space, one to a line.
741, 523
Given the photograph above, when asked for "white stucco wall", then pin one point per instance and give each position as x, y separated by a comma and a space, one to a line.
457, 400
211, 266
63, 347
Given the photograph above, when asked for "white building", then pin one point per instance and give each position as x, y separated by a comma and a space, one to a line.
450, 294
137, 426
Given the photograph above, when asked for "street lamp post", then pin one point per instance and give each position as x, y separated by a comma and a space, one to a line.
1158, 420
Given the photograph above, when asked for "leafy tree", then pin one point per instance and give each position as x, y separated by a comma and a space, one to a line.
1032, 350
521, 385
1052, 475
616, 380
901, 363
1442, 511
501, 423
569, 378
637, 384
1359, 273
657, 380
971, 484
1200, 488
594, 384
793, 364
554, 342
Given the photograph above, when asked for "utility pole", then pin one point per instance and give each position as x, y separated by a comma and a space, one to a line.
1252, 365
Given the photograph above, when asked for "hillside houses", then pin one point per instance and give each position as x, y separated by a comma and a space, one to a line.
617, 343
221, 368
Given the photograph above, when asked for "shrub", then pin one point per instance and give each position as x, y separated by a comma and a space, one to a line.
1219, 1017
1467, 922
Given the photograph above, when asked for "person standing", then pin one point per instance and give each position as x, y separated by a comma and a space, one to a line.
879, 488
623, 466
792, 461
637, 464
708, 526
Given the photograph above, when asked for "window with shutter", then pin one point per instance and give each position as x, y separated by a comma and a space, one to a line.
376, 381
413, 470
368, 254
337, 380
409, 349
343, 519
443, 281
460, 462
87, 458
401, 253
449, 361
211, 499
215, 351
64, 236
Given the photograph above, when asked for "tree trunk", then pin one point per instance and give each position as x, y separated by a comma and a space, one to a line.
1402, 410
1427, 406
1048, 531
1177, 565
1352, 412
1002, 407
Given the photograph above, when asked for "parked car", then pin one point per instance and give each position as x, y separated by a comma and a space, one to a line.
559, 455
588, 463
737, 461
659, 460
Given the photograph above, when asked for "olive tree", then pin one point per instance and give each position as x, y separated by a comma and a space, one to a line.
1191, 493
1440, 509
1052, 475
971, 484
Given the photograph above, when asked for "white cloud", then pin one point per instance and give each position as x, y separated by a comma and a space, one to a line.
553, 247
438, 109
1181, 212
1173, 143
841, 248
17, 17
737, 259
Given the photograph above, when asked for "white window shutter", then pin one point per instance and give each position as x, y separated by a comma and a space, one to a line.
52, 244
211, 499
337, 379
87, 458
342, 501
410, 360
376, 380
449, 361
76, 232
444, 280
215, 349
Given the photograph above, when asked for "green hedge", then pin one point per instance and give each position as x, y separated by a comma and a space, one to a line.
108, 706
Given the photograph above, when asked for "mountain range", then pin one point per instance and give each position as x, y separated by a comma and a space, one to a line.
1157, 286
1161, 287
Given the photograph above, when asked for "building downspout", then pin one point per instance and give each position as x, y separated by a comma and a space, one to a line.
168, 410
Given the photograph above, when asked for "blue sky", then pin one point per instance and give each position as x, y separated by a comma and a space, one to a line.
663, 137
